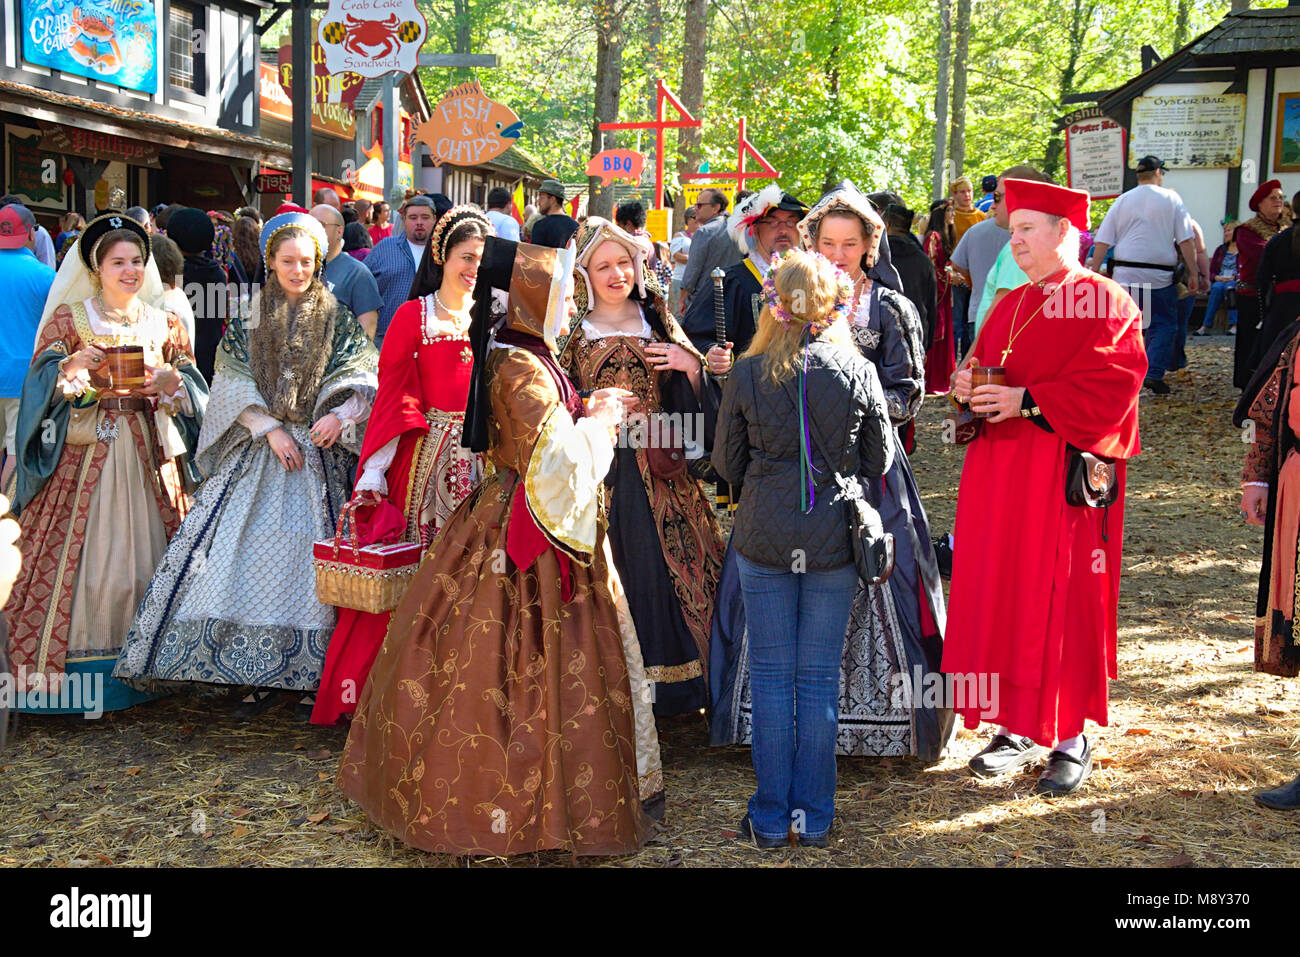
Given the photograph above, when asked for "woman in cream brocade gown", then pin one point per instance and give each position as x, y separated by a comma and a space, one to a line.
508, 712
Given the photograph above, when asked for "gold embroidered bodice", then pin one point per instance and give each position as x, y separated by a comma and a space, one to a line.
617, 361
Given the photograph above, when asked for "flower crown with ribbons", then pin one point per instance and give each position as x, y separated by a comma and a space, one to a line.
843, 296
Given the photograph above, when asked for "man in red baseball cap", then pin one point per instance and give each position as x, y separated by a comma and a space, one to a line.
1040, 510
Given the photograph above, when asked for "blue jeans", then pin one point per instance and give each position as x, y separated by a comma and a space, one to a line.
1185, 307
962, 328
796, 625
1159, 326
1218, 293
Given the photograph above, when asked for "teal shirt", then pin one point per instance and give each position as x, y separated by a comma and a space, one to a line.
1005, 274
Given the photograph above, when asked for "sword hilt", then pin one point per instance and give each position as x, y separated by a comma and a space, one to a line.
719, 314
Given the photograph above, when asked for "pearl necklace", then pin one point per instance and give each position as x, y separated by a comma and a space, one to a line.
108, 315
461, 319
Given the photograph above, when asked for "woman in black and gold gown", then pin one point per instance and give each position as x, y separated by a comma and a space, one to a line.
625, 338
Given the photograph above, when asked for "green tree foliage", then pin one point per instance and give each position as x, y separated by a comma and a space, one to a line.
832, 88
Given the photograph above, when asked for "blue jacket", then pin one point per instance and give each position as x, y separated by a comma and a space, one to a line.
26, 282
394, 270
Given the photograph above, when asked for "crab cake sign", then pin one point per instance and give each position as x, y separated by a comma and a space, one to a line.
115, 41
372, 37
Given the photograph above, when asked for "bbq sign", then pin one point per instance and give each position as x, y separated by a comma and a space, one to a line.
115, 41
372, 37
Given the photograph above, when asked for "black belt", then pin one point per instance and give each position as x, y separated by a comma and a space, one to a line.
1137, 265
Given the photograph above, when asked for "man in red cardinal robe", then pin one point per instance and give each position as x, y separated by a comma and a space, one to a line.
1035, 580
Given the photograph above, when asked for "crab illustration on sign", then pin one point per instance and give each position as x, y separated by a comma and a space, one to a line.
92, 42
372, 37
467, 128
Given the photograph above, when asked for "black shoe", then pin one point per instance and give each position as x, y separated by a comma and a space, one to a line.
1065, 773
762, 843
259, 702
943, 555
1203, 331
1284, 798
1005, 753
823, 841
1157, 386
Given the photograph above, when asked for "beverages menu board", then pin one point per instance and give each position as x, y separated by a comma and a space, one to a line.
1191, 131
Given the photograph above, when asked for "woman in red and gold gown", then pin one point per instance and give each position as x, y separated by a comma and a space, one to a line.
941, 359
411, 452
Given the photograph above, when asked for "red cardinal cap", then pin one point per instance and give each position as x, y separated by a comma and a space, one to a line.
1048, 198
1260, 194
290, 208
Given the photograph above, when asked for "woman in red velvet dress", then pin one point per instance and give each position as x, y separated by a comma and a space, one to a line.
411, 454
941, 359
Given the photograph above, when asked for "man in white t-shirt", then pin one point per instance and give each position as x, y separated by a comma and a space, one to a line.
498, 199
1145, 225
680, 249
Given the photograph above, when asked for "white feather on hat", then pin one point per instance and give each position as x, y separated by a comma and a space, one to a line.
741, 221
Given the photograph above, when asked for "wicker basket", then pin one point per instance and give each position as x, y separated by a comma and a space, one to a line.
372, 578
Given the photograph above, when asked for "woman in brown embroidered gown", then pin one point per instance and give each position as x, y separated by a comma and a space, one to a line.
626, 338
508, 710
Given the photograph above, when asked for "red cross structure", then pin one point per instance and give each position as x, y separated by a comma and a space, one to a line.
743, 146
664, 95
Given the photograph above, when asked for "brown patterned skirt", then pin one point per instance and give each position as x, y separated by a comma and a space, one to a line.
498, 718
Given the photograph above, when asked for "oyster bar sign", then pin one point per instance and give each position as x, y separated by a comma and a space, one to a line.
111, 40
372, 37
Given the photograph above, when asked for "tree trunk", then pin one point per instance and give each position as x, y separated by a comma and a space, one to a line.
833, 88
939, 184
1080, 18
1239, 5
961, 42
1181, 25
609, 81
695, 38
462, 38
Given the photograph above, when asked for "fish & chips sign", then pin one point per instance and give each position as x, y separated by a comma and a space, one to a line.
466, 128
372, 37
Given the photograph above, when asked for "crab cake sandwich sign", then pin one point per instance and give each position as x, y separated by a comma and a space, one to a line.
372, 37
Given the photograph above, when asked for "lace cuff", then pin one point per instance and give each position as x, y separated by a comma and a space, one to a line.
374, 470
72, 385
354, 409
257, 422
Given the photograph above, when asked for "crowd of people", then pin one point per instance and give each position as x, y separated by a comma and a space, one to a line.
514, 402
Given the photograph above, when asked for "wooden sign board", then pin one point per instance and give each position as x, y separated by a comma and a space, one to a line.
467, 128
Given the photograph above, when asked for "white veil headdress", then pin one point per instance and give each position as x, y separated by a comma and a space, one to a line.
74, 282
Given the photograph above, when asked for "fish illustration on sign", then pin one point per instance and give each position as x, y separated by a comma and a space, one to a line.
468, 128
610, 165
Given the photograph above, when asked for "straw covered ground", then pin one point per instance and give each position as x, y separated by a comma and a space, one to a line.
1193, 730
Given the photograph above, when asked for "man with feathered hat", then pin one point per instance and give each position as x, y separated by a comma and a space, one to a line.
765, 223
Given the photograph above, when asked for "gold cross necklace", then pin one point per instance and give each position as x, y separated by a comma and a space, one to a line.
1015, 333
